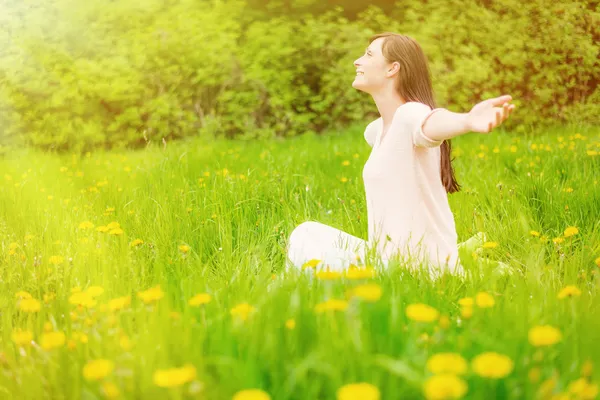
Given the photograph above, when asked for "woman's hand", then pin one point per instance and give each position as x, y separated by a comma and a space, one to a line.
485, 116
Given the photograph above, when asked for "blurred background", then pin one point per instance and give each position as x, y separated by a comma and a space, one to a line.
80, 76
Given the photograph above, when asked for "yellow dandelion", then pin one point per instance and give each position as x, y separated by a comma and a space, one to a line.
344, 179
251, 394
466, 302
30, 305
311, 263
484, 300
370, 292
597, 262
569, 291
151, 295
86, 225
558, 240
97, 369
447, 363
582, 389
534, 233
56, 260
110, 390
328, 275
136, 242
570, 231
200, 299
116, 232
492, 365
119, 303
359, 273
290, 324
358, 391
490, 245
174, 377
23, 295
82, 299
345, 163
95, 291
21, 337
52, 340
544, 335
445, 386
422, 313
331, 305
184, 248
113, 224
242, 311
102, 229
466, 312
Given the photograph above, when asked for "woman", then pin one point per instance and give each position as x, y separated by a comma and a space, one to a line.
409, 171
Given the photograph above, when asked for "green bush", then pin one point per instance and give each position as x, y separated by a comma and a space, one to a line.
99, 75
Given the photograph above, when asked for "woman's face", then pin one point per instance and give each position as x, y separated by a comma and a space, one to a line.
371, 69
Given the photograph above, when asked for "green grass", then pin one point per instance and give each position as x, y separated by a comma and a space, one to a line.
234, 204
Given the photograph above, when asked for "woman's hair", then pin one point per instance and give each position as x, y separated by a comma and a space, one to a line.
414, 84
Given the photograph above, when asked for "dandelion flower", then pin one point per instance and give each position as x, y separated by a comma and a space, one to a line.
151, 295
582, 389
597, 261
534, 233
544, 335
97, 369
136, 242
570, 231
242, 311
360, 273
86, 225
358, 391
492, 365
52, 340
23, 295
21, 337
328, 275
200, 299
466, 302
484, 300
251, 394
490, 245
422, 313
447, 363
370, 292
331, 305
445, 386
56, 260
290, 324
174, 377
111, 391
569, 291
311, 263
82, 299
116, 232
119, 303
29, 305
95, 291
184, 248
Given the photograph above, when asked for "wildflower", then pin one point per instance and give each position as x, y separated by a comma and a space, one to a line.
119, 303
597, 261
86, 225
251, 394
30, 305
23, 295
328, 275
422, 313
445, 386
484, 300
492, 365
52, 340
95, 291
490, 245
82, 299
466, 312
102, 229
358, 391
466, 302
558, 240
534, 233
111, 391
444, 322
184, 248
345, 163
242, 311
113, 225
370, 292
151, 295
311, 263
116, 232
343, 179
569, 291
174, 377
56, 260
447, 363
97, 369
21, 337
582, 389
136, 242
331, 305
544, 335
359, 273
290, 324
570, 231
199, 299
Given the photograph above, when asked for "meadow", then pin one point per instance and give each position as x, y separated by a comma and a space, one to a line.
160, 274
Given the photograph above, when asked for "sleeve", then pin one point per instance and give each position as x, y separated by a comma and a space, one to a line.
420, 112
371, 133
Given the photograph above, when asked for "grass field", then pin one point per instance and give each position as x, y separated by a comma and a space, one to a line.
159, 274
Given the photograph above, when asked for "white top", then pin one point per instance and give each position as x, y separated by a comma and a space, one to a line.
406, 200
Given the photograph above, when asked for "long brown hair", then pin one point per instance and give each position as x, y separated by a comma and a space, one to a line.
414, 84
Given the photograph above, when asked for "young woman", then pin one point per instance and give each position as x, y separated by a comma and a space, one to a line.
409, 171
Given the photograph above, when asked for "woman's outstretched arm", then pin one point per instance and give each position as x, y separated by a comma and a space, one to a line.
482, 118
